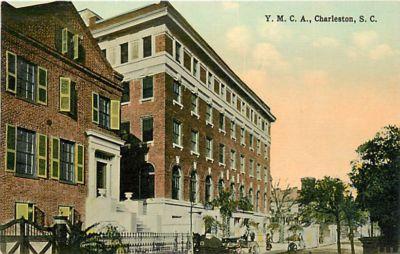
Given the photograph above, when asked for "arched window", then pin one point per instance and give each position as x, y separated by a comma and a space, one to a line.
251, 196
193, 186
220, 185
176, 178
257, 201
233, 190
208, 194
147, 182
241, 191
265, 202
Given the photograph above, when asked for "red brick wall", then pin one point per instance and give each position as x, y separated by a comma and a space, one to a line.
135, 110
162, 154
47, 194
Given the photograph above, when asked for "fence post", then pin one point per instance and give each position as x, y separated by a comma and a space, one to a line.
60, 231
24, 249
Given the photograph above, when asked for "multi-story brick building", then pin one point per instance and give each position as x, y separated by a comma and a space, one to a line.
204, 128
59, 115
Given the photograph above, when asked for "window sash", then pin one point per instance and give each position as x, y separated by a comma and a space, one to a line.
209, 113
209, 148
147, 87
177, 133
67, 161
222, 154
194, 141
194, 103
26, 79
221, 121
25, 161
147, 46
177, 92
104, 112
147, 129
124, 52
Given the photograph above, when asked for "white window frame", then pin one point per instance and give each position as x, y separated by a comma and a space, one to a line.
233, 159
179, 136
242, 163
210, 156
233, 130
210, 120
196, 151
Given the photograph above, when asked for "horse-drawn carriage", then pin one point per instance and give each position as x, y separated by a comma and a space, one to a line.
209, 244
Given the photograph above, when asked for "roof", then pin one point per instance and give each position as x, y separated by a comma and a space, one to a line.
32, 15
136, 13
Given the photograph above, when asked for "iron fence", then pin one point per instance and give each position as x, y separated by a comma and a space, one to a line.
142, 242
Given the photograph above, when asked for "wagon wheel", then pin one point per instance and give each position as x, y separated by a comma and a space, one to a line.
292, 247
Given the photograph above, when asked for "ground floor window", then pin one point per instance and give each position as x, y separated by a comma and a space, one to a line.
147, 182
25, 152
208, 189
175, 182
67, 160
24, 210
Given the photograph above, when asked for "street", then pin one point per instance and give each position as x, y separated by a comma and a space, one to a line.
329, 249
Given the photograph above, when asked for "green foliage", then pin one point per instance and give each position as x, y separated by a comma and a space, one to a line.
244, 204
210, 222
81, 241
376, 176
322, 199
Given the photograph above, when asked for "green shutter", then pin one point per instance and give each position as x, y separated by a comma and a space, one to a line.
55, 158
11, 72
65, 94
22, 211
79, 165
76, 46
64, 41
41, 91
114, 114
95, 107
11, 134
41, 155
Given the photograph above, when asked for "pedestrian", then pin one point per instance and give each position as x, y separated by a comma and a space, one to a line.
301, 241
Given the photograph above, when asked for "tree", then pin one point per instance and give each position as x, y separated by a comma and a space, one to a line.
210, 223
227, 206
324, 199
282, 203
353, 217
244, 204
376, 176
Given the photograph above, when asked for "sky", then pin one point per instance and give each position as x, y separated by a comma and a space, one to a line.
332, 86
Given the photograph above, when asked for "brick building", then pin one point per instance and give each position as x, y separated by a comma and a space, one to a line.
204, 129
59, 115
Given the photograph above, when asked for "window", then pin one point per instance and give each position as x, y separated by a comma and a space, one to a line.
67, 211
125, 128
251, 195
203, 74
251, 173
233, 159
265, 201
195, 142
209, 148
266, 151
187, 61
233, 130
147, 129
221, 121
147, 92
178, 48
221, 185
251, 140
125, 92
228, 96
24, 210
177, 92
209, 114
193, 186
176, 182
242, 136
67, 161
257, 201
239, 104
11, 72
124, 52
216, 86
223, 91
147, 46
265, 175
26, 80
233, 190
258, 172
104, 112
242, 163
104, 52
263, 125
258, 146
177, 140
208, 190
195, 67
25, 152
210, 80
194, 104
221, 154
70, 44
241, 191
